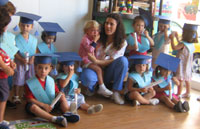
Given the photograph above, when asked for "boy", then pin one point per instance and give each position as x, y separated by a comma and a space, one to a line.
41, 91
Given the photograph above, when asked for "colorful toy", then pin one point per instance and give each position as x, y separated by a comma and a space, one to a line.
122, 6
129, 6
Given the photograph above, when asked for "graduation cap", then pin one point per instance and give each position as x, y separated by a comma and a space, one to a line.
146, 15
69, 58
3, 2
193, 27
164, 19
51, 28
140, 59
27, 18
168, 62
41, 58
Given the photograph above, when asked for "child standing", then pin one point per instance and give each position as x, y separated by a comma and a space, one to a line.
27, 47
6, 68
164, 91
87, 46
41, 91
49, 37
161, 39
139, 77
69, 81
185, 54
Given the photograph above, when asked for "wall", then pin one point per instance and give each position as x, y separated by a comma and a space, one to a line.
70, 14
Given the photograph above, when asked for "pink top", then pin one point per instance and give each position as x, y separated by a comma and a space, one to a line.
86, 48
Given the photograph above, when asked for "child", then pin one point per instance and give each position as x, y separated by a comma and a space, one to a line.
41, 91
166, 64
69, 81
6, 67
87, 46
8, 6
143, 38
161, 39
27, 45
49, 37
139, 77
185, 54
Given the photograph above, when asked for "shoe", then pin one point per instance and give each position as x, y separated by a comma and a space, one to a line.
73, 108
154, 101
11, 105
117, 98
71, 117
61, 121
178, 107
186, 106
16, 100
4, 126
89, 93
95, 108
104, 91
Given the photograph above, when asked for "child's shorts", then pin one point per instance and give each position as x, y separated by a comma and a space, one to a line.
4, 90
80, 100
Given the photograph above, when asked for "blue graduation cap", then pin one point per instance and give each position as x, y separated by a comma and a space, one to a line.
51, 28
27, 18
164, 19
168, 62
146, 15
140, 59
41, 58
193, 27
3, 2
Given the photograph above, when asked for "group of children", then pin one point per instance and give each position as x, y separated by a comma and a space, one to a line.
36, 67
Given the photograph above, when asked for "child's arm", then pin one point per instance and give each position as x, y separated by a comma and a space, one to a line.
20, 58
146, 33
135, 46
7, 69
86, 44
175, 47
158, 89
131, 88
99, 62
176, 81
31, 60
13, 65
166, 34
65, 82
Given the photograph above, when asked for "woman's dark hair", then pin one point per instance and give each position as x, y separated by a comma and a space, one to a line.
44, 35
119, 35
188, 36
4, 19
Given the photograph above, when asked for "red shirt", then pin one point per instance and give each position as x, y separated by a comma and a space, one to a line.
29, 94
6, 60
133, 52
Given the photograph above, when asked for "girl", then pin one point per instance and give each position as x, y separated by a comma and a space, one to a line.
166, 64
161, 39
68, 81
6, 67
185, 54
139, 78
27, 46
88, 45
142, 37
49, 37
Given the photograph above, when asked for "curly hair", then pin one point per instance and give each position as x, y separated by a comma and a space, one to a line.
44, 35
4, 20
119, 35
10, 8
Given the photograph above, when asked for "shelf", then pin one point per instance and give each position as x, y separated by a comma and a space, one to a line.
104, 14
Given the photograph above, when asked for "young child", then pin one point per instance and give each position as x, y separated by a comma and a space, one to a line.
185, 54
27, 44
87, 46
41, 91
49, 37
139, 77
164, 91
6, 67
8, 6
69, 82
161, 39
141, 44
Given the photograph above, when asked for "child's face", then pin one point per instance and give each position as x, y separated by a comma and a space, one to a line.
110, 26
67, 69
165, 73
92, 32
25, 28
42, 70
141, 68
49, 39
139, 26
162, 27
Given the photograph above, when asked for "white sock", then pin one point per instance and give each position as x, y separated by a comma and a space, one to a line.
53, 118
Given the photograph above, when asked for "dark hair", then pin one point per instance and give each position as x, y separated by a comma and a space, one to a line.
138, 18
133, 69
188, 34
157, 70
60, 67
119, 35
4, 20
44, 35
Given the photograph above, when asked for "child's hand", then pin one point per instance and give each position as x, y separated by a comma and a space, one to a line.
150, 89
146, 33
13, 65
144, 90
92, 58
77, 90
47, 107
96, 38
71, 69
171, 36
167, 87
31, 60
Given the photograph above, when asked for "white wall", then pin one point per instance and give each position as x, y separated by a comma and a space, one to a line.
70, 14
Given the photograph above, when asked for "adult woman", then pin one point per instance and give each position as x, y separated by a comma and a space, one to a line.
109, 54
